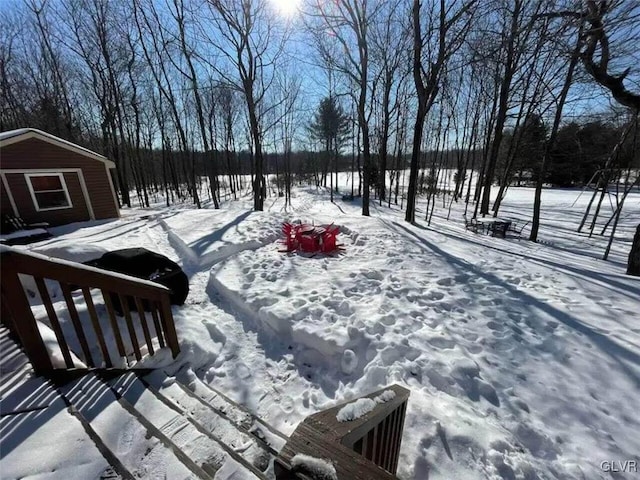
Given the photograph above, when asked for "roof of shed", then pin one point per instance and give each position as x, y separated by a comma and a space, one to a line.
14, 136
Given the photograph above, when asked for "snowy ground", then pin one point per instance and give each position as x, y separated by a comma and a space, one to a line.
523, 359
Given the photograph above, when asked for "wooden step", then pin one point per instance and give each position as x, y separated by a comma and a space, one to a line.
223, 449
37, 427
142, 450
215, 401
245, 444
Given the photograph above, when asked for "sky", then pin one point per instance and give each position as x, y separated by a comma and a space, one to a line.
300, 59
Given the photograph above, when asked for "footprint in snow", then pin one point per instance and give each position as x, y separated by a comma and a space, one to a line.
388, 319
445, 281
125, 440
495, 326
435, 295
286, 404
487, 303
552, 325
441, 343
242, 371
516, 317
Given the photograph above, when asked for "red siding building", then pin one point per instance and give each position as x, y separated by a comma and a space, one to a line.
47, 179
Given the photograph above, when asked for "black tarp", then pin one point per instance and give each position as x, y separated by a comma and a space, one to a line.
143, 263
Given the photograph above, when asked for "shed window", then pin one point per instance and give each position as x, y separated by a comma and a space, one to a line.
48, 191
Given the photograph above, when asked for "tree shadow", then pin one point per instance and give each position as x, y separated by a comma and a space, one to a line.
607, 279
614, 350
200, 246
27, 408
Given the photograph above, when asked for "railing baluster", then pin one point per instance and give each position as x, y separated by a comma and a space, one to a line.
114, 322
23, 320
398, 438
96, 326
77, 325
392, 440
388, 442
382, 442
16, 311
396, 453
169, 326
145, 327
376, 443
156, 323
55, 323
124, 304
385, 442
365, 445
371, 437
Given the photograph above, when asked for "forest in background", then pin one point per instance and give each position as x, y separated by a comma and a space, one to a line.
517, 92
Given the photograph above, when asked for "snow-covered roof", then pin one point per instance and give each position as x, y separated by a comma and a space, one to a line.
14, 136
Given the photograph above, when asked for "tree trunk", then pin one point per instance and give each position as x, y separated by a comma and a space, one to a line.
503, 107
633, 265
537, 200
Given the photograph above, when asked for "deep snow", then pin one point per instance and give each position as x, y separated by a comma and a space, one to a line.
523, 359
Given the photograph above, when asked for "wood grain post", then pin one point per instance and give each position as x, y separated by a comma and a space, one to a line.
166, 317
24, 322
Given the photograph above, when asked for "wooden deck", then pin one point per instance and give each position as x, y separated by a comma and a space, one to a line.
366, 448
87, 388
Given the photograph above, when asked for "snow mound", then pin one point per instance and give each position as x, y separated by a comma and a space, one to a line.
72, 251
319, 468
327, 303
362, 406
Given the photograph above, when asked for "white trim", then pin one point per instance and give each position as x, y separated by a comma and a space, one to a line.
40, 170
85, 194
9, 194
28, 176
15, 136
113, 191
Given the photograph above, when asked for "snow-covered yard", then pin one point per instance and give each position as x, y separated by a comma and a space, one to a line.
523, 359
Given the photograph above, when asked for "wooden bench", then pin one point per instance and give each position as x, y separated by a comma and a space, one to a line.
513, 228
470, 224
499, 229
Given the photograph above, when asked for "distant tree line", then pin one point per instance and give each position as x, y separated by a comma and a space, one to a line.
581, 150
468, 95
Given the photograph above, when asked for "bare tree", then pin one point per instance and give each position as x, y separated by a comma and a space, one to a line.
447, 29
596, 55
154, 42
516, 35
595, 24
251, 46
390, 48
348, 21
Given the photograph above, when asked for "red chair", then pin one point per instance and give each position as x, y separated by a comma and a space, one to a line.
311, 239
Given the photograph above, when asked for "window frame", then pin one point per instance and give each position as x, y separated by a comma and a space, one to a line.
34, 198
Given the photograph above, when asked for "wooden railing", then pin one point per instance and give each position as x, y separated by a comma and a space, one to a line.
128, 293
366, 448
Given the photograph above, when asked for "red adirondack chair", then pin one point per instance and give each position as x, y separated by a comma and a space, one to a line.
310, 238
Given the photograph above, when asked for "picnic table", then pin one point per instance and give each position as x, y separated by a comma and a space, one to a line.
496, 226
